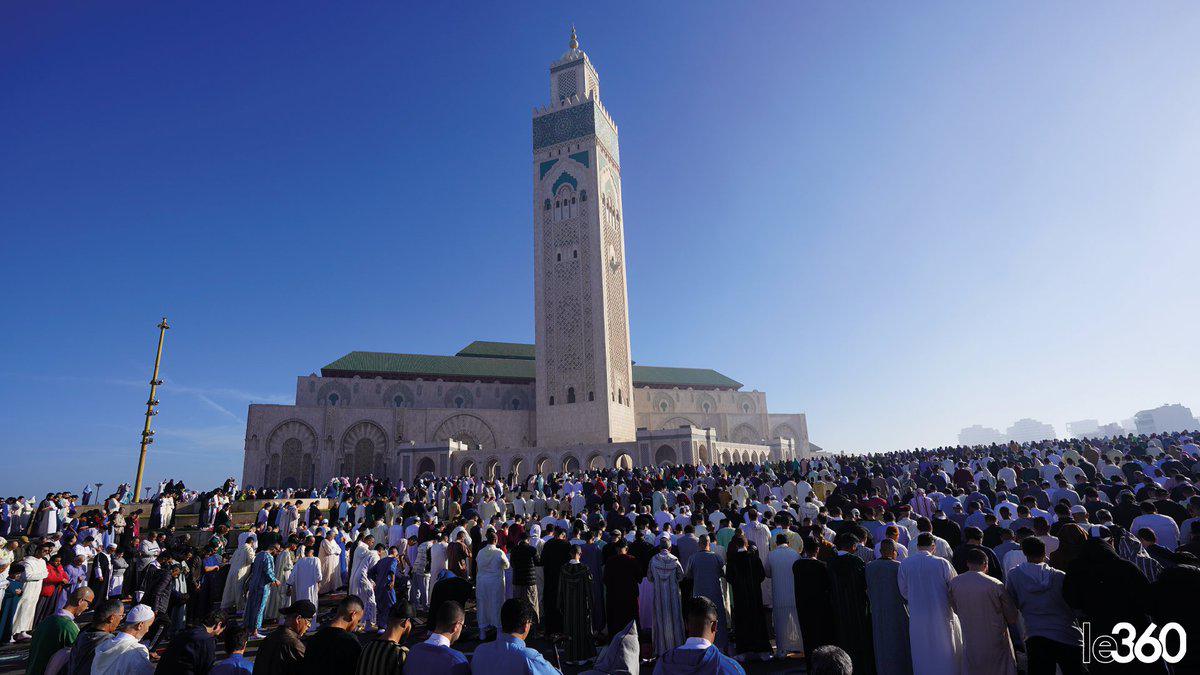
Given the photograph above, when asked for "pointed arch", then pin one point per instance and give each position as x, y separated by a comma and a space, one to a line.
679, 421
291, 441
466, 428
362, 449
744, 433
664, 455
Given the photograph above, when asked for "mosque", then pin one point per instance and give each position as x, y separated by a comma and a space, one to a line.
574, 399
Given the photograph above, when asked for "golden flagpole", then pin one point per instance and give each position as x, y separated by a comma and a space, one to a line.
151, 403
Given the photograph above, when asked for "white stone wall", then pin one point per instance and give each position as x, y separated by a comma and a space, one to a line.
314, 390
290, 446
319, 438
737, 416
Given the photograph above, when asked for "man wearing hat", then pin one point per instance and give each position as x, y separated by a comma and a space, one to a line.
124, 653
282, 650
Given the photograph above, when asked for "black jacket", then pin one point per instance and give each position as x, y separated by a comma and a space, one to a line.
157, 586
524, 564
191, 652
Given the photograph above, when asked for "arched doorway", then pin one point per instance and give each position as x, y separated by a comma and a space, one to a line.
272, 470
426, 465
468, 468
364, 457
623, 461
664, 455
492, 470
291, 464
595, 462
362, 450
570, 464
704, 456
310, 472
542, 464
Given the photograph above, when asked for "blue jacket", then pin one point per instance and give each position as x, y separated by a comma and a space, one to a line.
508, 655
234, 665
709, 661
426, 659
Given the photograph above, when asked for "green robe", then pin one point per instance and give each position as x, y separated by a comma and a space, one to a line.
52, 634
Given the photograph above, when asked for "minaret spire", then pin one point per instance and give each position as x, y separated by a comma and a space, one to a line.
574, 44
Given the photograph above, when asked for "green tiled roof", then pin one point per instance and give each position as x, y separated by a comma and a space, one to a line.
382, 363
498, 350
483, 361
682, 377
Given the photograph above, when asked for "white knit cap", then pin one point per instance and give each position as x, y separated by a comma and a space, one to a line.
138, 614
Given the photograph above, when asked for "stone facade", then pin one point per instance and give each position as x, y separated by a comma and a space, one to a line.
584, 375
572, 400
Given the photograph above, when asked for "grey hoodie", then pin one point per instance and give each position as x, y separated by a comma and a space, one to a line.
1036, 589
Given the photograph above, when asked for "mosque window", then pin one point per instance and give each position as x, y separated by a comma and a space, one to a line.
706, 406
570, 394
662, 405
546, 205
619, 395
559, 257
591, 396
459, 402
398, 400
583, 195
745, 407
333, 398
575, 253
551, 400
516, 404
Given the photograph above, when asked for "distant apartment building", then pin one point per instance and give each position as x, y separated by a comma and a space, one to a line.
1165, 419
1028, 430
1083, 429
979, 435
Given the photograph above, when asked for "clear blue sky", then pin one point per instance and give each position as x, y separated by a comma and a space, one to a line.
899, 220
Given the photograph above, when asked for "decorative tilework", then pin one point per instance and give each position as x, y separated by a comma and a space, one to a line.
567, 84
545, 168
581, 157
608, 136
564, 178
564, 125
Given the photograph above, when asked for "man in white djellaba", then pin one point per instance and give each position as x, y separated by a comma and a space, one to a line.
934, 632
489, 584
783, 594
35, 572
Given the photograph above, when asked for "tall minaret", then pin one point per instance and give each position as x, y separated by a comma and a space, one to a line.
584, 376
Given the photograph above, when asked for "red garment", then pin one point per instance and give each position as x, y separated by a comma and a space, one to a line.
874, 503
56, 576
515, 532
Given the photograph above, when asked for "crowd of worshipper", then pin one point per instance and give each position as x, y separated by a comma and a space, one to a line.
985, 559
